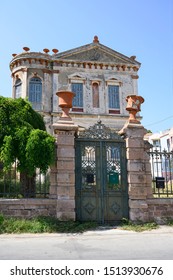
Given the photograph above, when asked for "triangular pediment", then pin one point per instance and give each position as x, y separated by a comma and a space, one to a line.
98, 53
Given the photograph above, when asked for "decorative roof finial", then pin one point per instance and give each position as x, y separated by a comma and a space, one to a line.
55, 51
46, 50
26, 49
133, 57
96, 39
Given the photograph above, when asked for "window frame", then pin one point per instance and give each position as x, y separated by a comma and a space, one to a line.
35, 93
117, 83
98, 82
77, 79
18, 88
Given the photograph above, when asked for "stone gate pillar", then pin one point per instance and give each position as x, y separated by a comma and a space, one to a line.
138, 168
138, 172
63, 173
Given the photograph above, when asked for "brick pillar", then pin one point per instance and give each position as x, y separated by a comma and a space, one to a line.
63, 173
139, 171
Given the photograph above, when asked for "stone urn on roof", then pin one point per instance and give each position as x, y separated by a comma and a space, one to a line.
133, 107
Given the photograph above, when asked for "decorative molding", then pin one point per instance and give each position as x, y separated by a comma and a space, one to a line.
113, 81
75, 78
95, 65
97, 81
19, 70
48, 71
134, 76
99, 131
114, 111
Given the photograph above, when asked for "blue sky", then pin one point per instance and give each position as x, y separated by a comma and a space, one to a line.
132, 27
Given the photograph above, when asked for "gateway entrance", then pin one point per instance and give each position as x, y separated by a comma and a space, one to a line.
101, 176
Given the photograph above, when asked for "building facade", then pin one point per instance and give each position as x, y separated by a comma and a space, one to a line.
161, 156
162, 140
100, 77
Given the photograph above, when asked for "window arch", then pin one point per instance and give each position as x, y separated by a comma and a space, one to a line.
35, 93
18, 88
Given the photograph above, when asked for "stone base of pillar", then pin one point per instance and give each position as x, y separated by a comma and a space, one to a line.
138, 211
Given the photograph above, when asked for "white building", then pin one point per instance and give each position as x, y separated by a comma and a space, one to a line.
161, 156
161, 140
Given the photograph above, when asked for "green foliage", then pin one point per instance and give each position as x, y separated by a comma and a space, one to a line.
42, 225
169, 222
7, 155
1, 219
23, 137
138, 227
39, 148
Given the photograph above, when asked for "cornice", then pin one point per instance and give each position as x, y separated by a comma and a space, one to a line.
96, 65
44, 70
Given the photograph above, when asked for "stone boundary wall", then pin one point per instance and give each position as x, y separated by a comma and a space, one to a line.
160, 210
28, 208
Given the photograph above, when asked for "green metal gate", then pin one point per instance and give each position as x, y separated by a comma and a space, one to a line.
101, 176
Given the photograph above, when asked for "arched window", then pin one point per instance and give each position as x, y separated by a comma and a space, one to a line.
35, 93
18, 88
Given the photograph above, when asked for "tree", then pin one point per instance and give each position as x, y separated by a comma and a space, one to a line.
23, 137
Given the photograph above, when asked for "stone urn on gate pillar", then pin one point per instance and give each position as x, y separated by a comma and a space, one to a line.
65, 103
134, 106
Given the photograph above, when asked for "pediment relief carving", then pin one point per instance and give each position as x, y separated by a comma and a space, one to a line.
98, 55
76, 77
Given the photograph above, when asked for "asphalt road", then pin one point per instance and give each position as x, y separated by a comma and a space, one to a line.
107, 244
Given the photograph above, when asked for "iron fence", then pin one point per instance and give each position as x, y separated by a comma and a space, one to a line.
17, 185
162, 172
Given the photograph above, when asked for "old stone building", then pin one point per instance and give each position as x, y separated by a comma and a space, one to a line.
100, 77
99, 174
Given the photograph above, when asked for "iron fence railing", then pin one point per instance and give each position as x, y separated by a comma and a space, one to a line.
16, 185
162, 172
